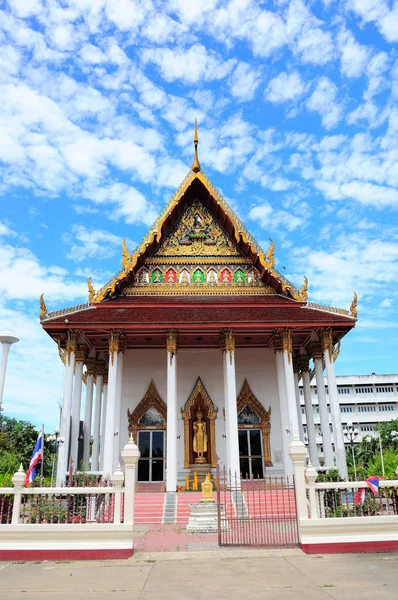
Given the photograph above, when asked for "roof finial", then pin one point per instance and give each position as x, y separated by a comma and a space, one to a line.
196, 164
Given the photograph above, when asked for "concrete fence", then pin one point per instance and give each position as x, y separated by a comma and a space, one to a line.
70, 522
330, 521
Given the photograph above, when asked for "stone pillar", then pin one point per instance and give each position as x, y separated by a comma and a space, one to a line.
317, 356
286, 338
338, 436
99, 372
171, 475
103, 418
296, 367
231, 412
80, 357
88, 411
63, 451
284, 411
130, 455
309, 411
118, 403
116, 342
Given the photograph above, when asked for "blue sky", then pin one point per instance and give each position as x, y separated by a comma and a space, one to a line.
297, 110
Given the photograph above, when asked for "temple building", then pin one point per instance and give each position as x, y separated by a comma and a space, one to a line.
196, 348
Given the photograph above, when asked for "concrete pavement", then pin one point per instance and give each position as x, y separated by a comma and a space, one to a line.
225, 574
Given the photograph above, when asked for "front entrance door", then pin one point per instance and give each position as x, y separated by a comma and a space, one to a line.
151, 462
251, 454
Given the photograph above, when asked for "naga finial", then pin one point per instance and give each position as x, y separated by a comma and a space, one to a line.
270, 256
303, 290
126, 259
91, 290
353, 307
196, 165
43, 308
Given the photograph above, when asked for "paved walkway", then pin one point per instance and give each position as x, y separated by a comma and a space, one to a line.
250, 574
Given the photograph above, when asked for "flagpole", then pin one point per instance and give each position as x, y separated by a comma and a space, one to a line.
42, 455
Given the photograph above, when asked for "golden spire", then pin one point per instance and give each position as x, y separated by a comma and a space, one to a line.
196, 164
353, 307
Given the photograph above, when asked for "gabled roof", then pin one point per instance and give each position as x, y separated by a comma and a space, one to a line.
197, 185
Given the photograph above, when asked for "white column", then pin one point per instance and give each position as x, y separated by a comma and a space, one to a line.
309, 412
63, 451
97, 419
171, 476
109, 441
80, 356
338, 436
286, 338
298, 405
88, 412
118, 405
317, 355
284, 412
103, 419
231, 413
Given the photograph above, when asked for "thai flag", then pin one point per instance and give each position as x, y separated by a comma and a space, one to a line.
37, 455
373, 483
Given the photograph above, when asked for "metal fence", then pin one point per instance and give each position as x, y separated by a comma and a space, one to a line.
259, 513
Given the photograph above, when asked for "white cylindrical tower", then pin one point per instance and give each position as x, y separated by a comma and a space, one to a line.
6, 341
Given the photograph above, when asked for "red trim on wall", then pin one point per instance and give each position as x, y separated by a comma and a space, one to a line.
345, 547
36, 555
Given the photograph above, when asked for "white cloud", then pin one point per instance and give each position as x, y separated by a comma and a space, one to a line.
354, 56
18, 264
25, 8
323, 101
285, 87
315, 46
192, 65
270, 219
244, 82
96, 243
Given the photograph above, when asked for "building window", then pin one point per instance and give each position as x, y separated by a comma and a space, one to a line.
302, 410
368, 427
387, 407
384, 389
305, 428
344, 390
367, 408
363, 389
346, 409
301, 392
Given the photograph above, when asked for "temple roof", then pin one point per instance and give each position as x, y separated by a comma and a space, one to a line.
197, 263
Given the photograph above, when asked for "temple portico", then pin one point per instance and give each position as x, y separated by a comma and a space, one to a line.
197, 348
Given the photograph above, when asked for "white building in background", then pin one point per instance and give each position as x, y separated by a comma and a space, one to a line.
365, 401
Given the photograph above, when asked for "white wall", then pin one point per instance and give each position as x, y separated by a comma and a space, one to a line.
257, 365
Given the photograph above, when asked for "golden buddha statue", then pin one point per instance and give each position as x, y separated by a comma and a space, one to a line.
199, 438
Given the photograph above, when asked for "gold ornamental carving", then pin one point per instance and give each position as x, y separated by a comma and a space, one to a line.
43, 308
277, 342
228, 342
196, 165
91, 291
80, 353
171, 343
186, 413
354, 306
327, 342
287, 342
316, 351
336, 349
302, 294
197, 233
71, 345
199, 438
151, 399
91, 367
207, 490
247, 398
117, 344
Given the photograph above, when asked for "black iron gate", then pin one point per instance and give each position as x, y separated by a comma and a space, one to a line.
254, 512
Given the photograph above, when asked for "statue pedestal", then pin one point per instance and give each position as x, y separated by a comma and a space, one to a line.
204, 517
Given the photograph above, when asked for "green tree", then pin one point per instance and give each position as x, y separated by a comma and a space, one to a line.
17, 441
